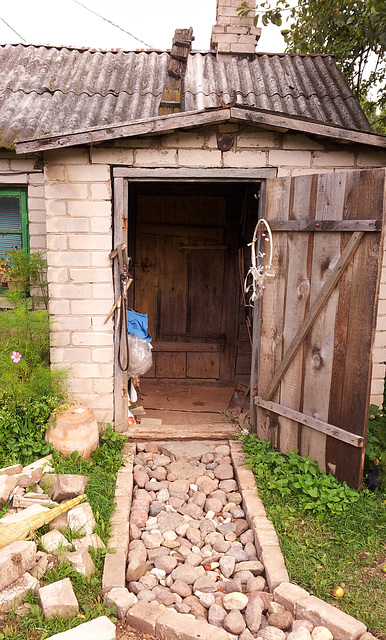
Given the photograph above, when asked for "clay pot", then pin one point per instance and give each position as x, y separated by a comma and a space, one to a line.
74, 429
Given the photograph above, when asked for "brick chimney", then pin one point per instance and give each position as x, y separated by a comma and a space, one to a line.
231, 33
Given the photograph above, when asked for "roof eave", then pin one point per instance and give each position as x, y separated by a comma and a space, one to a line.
162, 125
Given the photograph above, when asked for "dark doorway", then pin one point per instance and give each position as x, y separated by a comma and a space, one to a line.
189, 243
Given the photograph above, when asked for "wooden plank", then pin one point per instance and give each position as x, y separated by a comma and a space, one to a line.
171, 122
203, 365
365, 197
313, 423
299, 245
314, 311
325, 225
319, 355
212, 234
170, 365
156, 174
277, 204
185, 346
120, 237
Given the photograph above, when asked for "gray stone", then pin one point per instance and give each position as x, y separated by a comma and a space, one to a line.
235, 497
138, 518
185, 451
148, 581
234, 622
205, 584
68, 486
281, 620
146, 595
81, 561
15, 593
58, 598
236, 512
192, 510
7, 485
92, 540
306, 624
187, 573
301, 633
163, 595
257, 583
228, 485
206, 599
232, 586
196, 607
15, 560
156, 508
254, 566
213, 504
271, 633
159, 473
246, 635
253, 614
235, 600
250, 550
140, 476
227, 565
247, 536
224, 471
29, 477
207, 526
81, 519
181, 588
216, 615
101, 628
121, 599
152, 539
321, 633
11, 470
54, 542
167, 563
237, 553
241, 526
169, 521
194, 535
222, 450
183, 470
206, 485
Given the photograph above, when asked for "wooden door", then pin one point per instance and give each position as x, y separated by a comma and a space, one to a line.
318, 316
182, 283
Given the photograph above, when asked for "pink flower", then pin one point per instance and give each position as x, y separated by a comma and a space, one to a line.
16, 356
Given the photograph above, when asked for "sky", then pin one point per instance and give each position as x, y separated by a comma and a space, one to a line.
153, 22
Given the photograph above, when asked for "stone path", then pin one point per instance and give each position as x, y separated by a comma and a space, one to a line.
202, 559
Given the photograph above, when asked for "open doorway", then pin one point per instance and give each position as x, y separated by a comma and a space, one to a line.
189, 246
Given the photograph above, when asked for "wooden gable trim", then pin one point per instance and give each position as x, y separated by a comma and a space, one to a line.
192, 175
167, 124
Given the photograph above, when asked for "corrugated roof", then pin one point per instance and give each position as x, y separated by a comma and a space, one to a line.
47, 90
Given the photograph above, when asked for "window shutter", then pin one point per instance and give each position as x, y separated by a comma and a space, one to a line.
13, 221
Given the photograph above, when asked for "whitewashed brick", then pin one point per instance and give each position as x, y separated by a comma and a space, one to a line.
101, 402
67, 191
36, 204
5, 165
57, 243
244, 159
91, 275
372, 159
38, 243
184, 140
199, 158
58, 274
88, 242
59, 307
91, 307
100, 259
379, 355
69, 355
89, 209
263, 139
378, 370
68, 259
36, 178
14, 179
89, 173
101, 225
334, 159
68, 225
380, 339
75, 323
22, 164
54, 172
377, 387
309, 171
113, 156
227, 128
37, 229
243, 48
56, 208
102, 355
70, 291
37, 215
104, 386
67, 156
36, 191
376, 399
155, 158
93, 338
290, 158
95, 370
300, 141
100, 191
98, 323
101, 290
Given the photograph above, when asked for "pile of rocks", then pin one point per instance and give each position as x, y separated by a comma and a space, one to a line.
191, 547
21, 564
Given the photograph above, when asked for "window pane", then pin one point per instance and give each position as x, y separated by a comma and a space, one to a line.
10, 223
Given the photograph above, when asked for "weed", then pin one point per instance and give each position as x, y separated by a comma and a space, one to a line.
376, 443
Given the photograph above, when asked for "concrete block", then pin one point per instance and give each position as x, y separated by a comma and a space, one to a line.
43, 463
341, 625
101, 629
58, 598
288, 594
143, 617
81, 561
177, 626
54, 542
15, 559
68, 486
13, 595
28, 478
23, 515
252, 504
81, 519
7, 485
10, 471
41, 563
245, 478
275, 569
114, 570
92, 540
121, 599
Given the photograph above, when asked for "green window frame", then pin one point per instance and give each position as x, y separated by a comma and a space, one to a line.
13, 219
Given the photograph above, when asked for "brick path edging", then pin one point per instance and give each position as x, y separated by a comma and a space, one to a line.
170, 625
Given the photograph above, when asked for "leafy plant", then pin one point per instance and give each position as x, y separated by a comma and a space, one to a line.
376, 443
297, 478
28, 273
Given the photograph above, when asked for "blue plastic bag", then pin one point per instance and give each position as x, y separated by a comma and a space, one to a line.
137, 324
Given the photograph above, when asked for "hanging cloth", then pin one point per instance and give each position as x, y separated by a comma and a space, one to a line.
137, 324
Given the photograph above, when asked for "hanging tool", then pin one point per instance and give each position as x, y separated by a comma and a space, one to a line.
120, 306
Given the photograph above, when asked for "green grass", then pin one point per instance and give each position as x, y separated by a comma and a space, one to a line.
323, 550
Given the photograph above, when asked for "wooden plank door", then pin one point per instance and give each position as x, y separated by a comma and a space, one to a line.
318, 316
182, 283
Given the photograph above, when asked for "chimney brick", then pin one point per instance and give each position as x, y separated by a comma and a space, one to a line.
231, 33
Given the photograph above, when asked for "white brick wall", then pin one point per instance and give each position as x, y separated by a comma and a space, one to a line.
79, 217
